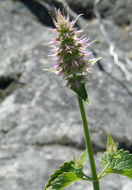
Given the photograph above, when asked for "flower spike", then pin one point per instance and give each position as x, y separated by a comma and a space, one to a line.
73, 60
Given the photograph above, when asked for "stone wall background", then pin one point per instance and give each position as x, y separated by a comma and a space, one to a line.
40, 126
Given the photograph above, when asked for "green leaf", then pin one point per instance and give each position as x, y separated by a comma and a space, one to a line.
67, 167
127, 173
63, 181
68, 173
116, 161
119, 163
81, 92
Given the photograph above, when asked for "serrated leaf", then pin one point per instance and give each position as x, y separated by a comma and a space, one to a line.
127, 173
67, 167
81, 92
67, 174
63, 180
119, 163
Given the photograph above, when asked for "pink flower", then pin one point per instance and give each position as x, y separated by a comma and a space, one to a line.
73, 60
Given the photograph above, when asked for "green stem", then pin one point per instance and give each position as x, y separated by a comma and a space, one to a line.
89, 146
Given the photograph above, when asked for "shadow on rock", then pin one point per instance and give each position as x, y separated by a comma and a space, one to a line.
39, 11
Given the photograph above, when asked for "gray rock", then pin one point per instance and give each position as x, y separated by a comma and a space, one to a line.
85, 7
118, 11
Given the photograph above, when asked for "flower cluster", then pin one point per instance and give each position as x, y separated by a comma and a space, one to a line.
70, 52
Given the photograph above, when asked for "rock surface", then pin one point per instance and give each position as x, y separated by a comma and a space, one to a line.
117, 11
37, 113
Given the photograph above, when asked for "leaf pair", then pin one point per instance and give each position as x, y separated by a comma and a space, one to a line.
113, 161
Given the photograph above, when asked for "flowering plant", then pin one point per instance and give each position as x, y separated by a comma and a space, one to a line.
73, 64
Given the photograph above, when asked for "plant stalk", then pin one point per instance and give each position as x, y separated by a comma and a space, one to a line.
95, 179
